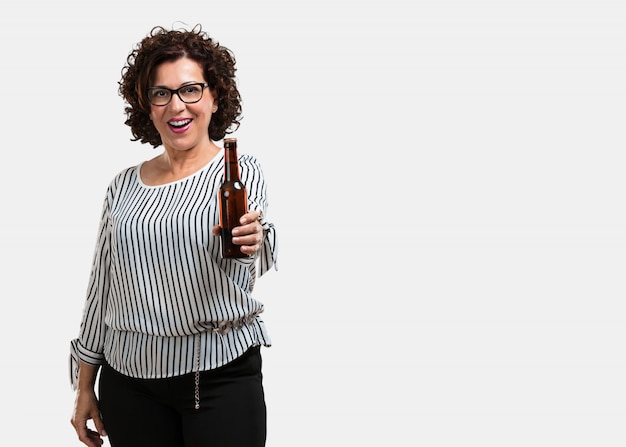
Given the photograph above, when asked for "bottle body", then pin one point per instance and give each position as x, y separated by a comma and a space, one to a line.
233, 200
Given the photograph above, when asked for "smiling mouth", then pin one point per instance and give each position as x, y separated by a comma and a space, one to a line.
180, 123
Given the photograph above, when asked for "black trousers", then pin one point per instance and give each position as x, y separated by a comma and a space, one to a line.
161, 413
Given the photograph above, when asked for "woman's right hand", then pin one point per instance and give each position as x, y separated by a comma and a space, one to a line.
86, 408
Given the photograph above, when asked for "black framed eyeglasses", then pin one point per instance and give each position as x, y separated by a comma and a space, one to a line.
188, 93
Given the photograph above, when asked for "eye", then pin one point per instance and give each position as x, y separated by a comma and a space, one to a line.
159, 93
191, 90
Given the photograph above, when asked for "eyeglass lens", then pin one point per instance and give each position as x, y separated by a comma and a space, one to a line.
160, 96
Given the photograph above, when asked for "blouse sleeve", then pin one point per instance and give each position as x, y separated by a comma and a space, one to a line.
254, 181
89, 345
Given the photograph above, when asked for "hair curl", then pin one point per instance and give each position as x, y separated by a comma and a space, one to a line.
161, 45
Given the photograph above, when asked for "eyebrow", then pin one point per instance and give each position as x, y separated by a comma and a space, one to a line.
181, 85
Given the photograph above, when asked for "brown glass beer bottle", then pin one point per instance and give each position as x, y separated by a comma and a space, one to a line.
233, 201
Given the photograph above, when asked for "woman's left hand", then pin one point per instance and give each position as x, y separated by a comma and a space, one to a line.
249, 234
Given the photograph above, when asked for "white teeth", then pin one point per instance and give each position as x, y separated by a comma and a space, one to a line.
180, 123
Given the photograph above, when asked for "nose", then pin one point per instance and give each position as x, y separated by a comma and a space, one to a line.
176, 103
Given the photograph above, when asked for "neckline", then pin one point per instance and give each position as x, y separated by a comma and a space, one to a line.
217, 157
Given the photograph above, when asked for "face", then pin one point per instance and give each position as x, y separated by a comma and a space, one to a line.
182, 126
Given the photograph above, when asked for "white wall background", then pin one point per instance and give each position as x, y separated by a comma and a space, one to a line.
447, 178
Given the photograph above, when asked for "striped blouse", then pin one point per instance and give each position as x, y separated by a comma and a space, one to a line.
161, 300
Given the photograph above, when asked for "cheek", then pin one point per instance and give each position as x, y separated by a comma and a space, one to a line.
154, 113
156, 116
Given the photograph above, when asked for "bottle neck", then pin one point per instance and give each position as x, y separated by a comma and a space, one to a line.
231, 163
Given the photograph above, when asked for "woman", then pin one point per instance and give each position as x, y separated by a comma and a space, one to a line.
170, 324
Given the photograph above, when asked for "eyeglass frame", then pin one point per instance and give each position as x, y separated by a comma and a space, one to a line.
177, 91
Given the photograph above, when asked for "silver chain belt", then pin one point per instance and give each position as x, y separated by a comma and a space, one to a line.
197, 375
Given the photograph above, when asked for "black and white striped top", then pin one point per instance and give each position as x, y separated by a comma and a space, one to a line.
161, 301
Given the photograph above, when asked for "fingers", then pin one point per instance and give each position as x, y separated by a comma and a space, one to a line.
93, 439
81, 431
249, 234
250, 242
250, 230
87, 436
250, 216
249, 248
86, 409
97, 421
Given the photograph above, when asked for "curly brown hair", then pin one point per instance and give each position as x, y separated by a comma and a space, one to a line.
161, 45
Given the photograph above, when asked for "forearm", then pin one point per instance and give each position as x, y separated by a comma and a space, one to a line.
87, 376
